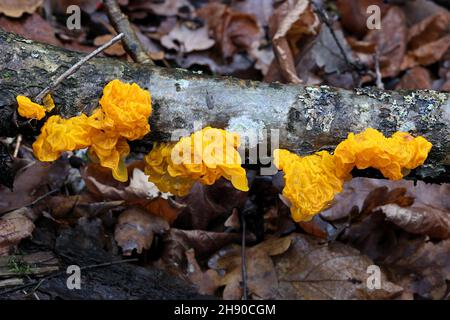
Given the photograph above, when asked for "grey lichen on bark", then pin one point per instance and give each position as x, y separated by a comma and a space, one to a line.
309, 118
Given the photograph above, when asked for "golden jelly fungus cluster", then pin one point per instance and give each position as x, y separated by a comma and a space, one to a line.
29, 109
205, 156
389, 155
123, 115
311, 182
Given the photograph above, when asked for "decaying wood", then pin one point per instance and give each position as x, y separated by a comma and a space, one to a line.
309, 118
11, 282
101, 276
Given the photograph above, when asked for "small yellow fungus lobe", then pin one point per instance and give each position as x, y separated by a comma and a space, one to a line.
29, 109
59, 135
311, 182
48, 102
205, 156
123, 115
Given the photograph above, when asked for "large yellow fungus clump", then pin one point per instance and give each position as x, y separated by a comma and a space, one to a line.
311, 182
123, 115
205, 156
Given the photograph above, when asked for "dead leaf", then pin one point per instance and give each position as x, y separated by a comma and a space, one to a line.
154, 50
207, 203
419, 220
327, 53
315, 270
284, 225
292, 21
262, 279
159, 55
100, 183
233, 221
167, 209
33, 181
206, 282
141, 187
71, 208
356, 191
16, 8
429, 30
415, 78
162, 8
232, 30
394, 242
353, 14
32, 27
114, 50
14, 226
362, 46
184, 39
136, 229
428, 39
427, 54
445, 86
316, 227
422, 266
318, 58
262, 10
177, 241
137, 192
263, 58
391, 41
419, 10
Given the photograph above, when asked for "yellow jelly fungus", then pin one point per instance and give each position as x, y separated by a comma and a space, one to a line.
371, 148
59, 135
29, 109
311, 182
123, 115
205, 156
48, 103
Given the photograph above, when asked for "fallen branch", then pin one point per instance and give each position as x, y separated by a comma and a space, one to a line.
309, 118
130, 41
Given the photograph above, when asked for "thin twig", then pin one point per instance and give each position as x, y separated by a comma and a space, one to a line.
130, 41
324, 18
379, 81
244, 262
18, 142
75, 67
40, 198
38, 283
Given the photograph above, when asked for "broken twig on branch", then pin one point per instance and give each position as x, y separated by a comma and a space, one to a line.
75, 67
130, 41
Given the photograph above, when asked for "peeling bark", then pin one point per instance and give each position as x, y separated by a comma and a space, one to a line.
309, 118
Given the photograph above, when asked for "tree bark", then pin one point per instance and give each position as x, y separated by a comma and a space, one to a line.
308, 118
